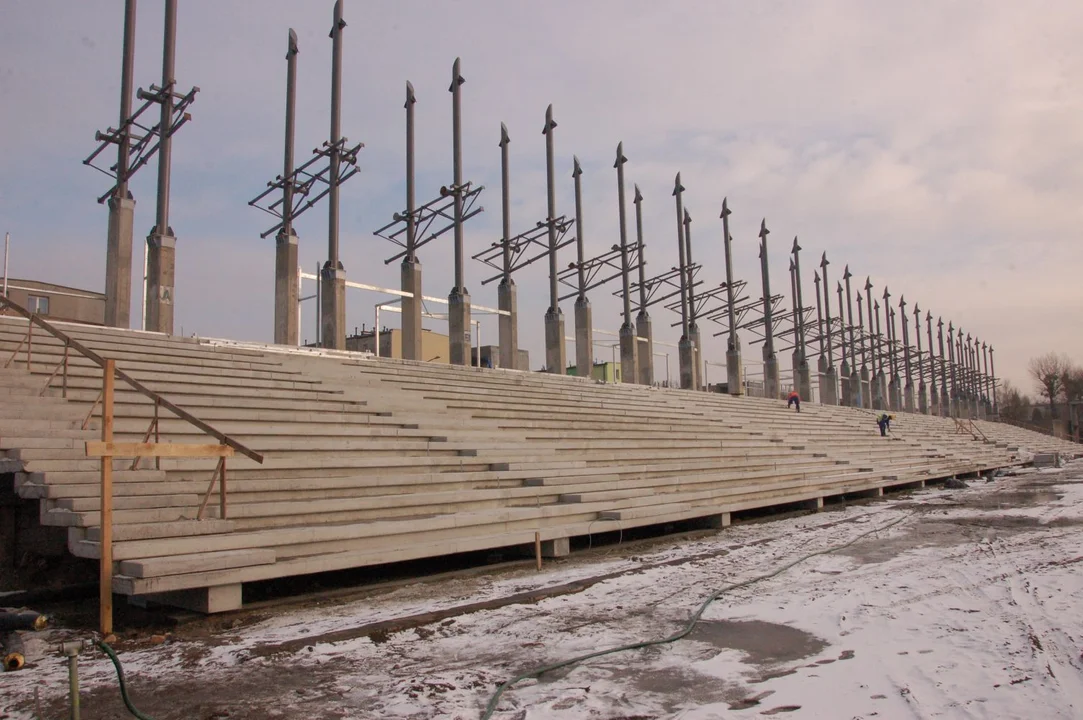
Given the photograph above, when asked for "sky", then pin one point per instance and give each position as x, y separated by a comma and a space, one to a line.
935, 147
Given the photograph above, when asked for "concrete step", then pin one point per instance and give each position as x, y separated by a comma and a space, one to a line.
193, 531
91, 518
130, 502
196, 563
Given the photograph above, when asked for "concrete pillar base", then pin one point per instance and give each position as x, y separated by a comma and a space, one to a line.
584, 338
697, 352
857, 397
829, 390
217, 599
646, 349
286, 311
459, 327
557, 547
734, 386
161, 274
866, 388
687, 354
507, 296
815, 504
118, 263
333, 307
716, 522
804, 381
908, 398
770, 376
556, 360
410, 273
923, 403
846, 393
893, 395
629, 354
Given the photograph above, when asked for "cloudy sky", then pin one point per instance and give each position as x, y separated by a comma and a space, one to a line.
936, 147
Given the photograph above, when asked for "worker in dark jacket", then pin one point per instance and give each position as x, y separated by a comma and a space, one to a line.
884, 421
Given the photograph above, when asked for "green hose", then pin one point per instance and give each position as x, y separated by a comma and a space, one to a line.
490, 708
120, 676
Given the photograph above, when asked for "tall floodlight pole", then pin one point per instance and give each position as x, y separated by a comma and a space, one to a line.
866, 339
893, 375
822, 364
846, 395
118, 252
945, 397
507, 293
881, 376
286, 267
908, 386
459, 297
410, 269
876, 369
629, 345
934, 400
693, 315
829, 392
972, 377
993, 381
734, 386
685, 348
988, 379
162, 243
770, 360
954, 408
856, 390
643, 318
333, 275
922, 403
964, 391
584, 334
803, 381
555, 358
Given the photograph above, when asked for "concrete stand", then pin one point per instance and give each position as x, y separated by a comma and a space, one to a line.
829, 390
646, 349
804, 381
286, 331
893, 394
333, 307
686, 352
858, 397
934, 401
411, 310
923, 403
584, 338
556, 360
161, 254
629, 354
697, 352
459, 327
866, 388
507, 296
210, 600
908, 398
770, 376
118, 264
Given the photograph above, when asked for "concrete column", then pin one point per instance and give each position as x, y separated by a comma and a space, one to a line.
584, 338
161, 271
857, 397
411, 310
866, 389
118, 263
923, 403
286, 331
697, 351
934, 401
733, 371
687, 356
556, 360
770, 374
629, 355
879, 399
508, 299
459, 329
908, 397
829, 391
804, 381
646, 348
333, 307
821, 371
846, 396
892, 394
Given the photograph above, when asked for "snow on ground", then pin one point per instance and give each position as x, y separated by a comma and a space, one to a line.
949, 604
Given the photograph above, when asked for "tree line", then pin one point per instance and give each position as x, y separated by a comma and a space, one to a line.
1057, 379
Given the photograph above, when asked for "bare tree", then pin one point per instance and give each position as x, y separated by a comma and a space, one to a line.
1073, 383
1014, 405
1048, 372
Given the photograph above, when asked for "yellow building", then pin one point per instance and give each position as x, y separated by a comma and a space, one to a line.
434, 346
608, 372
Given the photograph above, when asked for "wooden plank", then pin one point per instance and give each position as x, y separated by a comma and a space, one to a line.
105, 579
173, 450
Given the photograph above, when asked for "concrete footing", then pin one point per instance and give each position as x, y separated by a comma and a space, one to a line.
459, 327
161, 274
734, 386
557, 547
923, 402
556, 360
770, 376
507, 296
584, 338
411, 310
686, 351
815, 504
716, 522
118, 263
908, 398
829, 388
333, 307
857, 396
697, 353
217, 599
646, 349
846, 393
286, 316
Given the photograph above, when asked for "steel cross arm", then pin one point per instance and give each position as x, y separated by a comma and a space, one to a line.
537, 235
740, 312
721, 312
141, 151
426, 215
569, 275
716, 293
303, 187
758, 319
651, 286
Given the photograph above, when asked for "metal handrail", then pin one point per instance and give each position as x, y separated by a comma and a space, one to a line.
135, 384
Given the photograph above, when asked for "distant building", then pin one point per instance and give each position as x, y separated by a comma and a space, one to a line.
490, 357
608, 372
434, 346
58, 302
